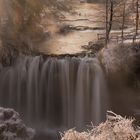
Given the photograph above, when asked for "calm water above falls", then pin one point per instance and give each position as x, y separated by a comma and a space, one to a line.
55, 93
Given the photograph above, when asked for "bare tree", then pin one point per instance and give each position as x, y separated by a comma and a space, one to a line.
109, 18
123, 19
107, 37
136, 9
137, 16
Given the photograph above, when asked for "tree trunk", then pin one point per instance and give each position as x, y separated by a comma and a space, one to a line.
106, 40
123, 20
137, 16
137, 20
110, 18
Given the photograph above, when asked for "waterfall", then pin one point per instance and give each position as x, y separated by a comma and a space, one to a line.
66, 92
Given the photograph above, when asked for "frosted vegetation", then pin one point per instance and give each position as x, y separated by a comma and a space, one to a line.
119, 57
12, 127
115, 128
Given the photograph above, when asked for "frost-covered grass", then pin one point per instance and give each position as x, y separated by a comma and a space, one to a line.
115, 128
119, 57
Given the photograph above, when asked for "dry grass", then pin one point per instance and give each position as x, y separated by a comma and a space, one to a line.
115, 128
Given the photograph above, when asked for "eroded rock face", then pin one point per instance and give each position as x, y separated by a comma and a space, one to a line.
12, 127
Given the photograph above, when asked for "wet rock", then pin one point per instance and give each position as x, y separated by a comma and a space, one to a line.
84, 28
12, 127
64, 29
93, 46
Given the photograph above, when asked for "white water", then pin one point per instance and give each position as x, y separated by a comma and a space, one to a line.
54, 93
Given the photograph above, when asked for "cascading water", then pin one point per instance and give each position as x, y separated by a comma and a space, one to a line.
55, 93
